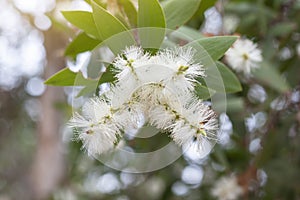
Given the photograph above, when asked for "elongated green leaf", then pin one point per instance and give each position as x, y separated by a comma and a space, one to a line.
66, 77
101, 3
178, 12
231, 82
150, 14
83, 20
215, 46
106, 77
225, 80
233, 104
130, 11
111, 31
282, 29
203, 92
186, 33
243, 8
87, 91
207, 51
81, 43
268, 75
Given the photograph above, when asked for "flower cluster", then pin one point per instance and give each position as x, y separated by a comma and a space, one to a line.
243, 56
227, 188
158, 89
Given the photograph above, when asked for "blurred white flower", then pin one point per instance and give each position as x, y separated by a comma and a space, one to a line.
256, 121
255, 145
257, 94
230, 23
243, 56
213, 22
227, 188
225, 129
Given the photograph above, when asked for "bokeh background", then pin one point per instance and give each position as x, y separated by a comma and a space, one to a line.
260, 144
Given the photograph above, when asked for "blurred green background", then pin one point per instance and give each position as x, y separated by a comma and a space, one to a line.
260, 143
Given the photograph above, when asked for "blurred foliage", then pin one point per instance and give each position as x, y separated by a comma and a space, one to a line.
273, 24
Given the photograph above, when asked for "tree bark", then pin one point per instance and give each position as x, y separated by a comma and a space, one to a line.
49, 164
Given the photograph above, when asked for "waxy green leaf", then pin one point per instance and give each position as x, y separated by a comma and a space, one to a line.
268, 75
81, 43
111, 31
66, 77
83, 20
151, 21
231, 82
215, 46
178, 12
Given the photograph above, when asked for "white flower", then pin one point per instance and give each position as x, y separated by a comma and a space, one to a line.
160, 117
158, 90
93, 112
243, 56
150, 94
128, 61
121, 94
182, 132
197, 123
130, 115
153, 73
255, 121
99, 139
186, 119
227, 188
185, 69
95, 127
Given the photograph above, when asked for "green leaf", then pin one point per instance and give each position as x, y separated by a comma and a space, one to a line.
203, 92
223, 78
208, 50
87, 91
106, 77
66, 77
83, 20
231, 82
243, 8
233, 104
186, 33
220, 156
150, 14
268, 75
215, 46
81, 43
111, 31
282, 29
101, 3
178, 12
130, 11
